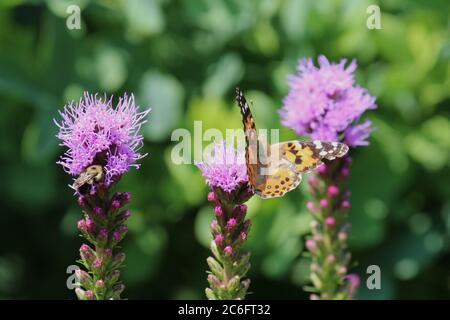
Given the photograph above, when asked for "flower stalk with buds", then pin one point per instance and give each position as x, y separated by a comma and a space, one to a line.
102, 144
327, 244
103, 226
325, 103
226, 175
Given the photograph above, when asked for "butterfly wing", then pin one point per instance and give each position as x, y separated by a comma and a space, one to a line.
288, 160
307, 155
280, 180
254, 150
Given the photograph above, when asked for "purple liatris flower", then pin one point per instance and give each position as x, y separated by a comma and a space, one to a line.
226, 174
225, 168
95, 132
102, 144
325, 103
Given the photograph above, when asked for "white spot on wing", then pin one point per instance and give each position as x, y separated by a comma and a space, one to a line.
318, 144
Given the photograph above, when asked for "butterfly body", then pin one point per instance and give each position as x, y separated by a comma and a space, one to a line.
277, 169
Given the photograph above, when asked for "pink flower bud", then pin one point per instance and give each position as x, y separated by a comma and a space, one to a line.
82, 225
115, 204
83, 277
119, 233
330, 221
81, 200
218, 211
102, 236
243, 236
211, 196
213, 226
310, 206
218, 239
89, 294
108, 252
90, 225
93, 191
310, 245
322, 169
331, 259
353, 283
98, 263
345, 172
98, 211
312, 180
231, 223
123, 216
100, 283
126, 196
333, 190
345, 204
353, 279
122, 197
116, 236
323, 203
242, 209
85, 248
228, 250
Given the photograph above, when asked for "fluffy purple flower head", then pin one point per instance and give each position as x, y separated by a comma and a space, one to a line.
325, 103
224, 168
97, 133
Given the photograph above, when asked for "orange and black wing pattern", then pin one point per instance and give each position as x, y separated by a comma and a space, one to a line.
251, 138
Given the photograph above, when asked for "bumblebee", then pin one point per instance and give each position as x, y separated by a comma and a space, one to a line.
88, 176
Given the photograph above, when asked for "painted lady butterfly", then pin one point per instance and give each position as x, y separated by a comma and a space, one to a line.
278, 170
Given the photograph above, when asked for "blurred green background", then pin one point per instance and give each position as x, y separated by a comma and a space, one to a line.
184, 58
